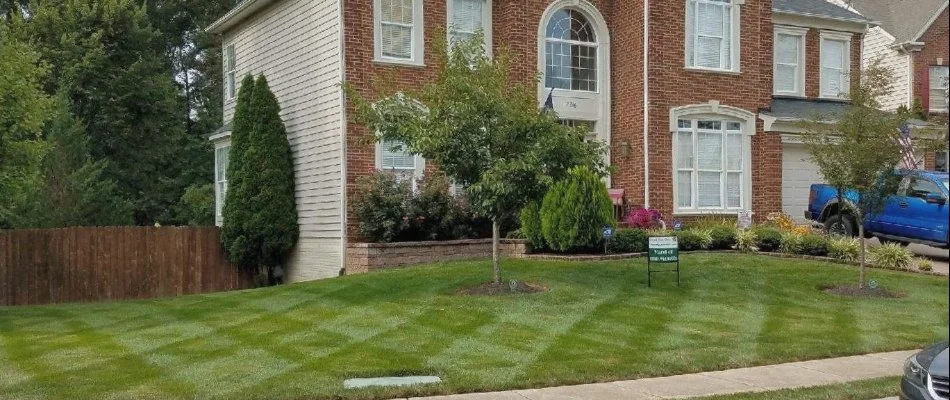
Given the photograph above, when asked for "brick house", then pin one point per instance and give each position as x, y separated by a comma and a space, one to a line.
913, 40
696, 99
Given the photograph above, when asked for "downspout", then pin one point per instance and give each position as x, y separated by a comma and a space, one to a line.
646, 103
343, 125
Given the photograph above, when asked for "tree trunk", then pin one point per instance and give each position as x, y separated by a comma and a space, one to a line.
496, 268
863, 246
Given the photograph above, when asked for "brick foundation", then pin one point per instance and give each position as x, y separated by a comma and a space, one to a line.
366, 257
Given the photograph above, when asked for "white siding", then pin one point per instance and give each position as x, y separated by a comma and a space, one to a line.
296, 45
876, 44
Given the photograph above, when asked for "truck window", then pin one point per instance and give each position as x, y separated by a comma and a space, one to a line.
920, 188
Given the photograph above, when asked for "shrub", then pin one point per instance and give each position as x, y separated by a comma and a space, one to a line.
791, 243
768, 239
891, 256
924, 264
746, 240
575, 211
433, 213
723, 237
690, 240
628, 241
710, 221
531, 224
844, 248
197, 205
380, 207
644, 218
813, 245
515, 234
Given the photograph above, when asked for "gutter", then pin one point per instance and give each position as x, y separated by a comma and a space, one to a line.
236, 15
646, 103
862, 21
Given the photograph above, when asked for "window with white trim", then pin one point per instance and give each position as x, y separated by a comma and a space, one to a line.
712, 34
789, 57
230, 69
939, 79
398, 31
466, 17
835, 65
586, 125
570, 52
220, 179
711, 162
393, 157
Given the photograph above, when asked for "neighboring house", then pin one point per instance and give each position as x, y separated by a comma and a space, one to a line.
681, 91
912, 39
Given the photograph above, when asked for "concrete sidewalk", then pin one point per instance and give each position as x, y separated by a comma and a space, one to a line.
756, 379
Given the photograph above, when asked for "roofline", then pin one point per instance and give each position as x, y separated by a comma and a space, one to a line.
931, 22
236, 15
820, 16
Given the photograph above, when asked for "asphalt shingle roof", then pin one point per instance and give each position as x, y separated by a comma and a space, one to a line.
903, 19
821, 8
806, 109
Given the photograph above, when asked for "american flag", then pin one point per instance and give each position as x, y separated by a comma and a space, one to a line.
907, 147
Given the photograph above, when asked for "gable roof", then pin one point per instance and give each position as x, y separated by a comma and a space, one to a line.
906, 20
817, 8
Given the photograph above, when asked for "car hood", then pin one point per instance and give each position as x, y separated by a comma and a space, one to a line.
934, 359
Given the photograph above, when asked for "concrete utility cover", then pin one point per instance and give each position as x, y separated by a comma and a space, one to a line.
356, 383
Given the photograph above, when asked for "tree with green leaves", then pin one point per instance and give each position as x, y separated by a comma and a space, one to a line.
260, 212
483, 130
858, 151
575, 211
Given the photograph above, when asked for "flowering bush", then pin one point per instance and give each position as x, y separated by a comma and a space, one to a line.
644, 218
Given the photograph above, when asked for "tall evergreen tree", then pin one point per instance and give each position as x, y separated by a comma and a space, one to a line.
260, 213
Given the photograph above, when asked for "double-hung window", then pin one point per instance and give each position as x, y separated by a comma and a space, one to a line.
220, 179
711, 166
835, 65
393, 157
939, 78
398, 31
712, 34
789, 72
230, 68
466, 17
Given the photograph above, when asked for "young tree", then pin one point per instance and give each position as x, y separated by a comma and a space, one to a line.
483, 130
858, 152
260, 212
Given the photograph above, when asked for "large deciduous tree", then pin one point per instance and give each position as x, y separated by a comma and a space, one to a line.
483, 129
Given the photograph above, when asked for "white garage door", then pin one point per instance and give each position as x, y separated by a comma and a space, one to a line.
798, 173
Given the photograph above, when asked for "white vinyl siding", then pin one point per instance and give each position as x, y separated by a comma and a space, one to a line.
712, 34
835, 65
296, 45
230, 66
711, 166
939, 76
398, 31
220, 181
466, 17
789, 72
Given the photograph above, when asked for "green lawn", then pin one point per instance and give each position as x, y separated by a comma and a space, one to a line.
858, 390
598, 322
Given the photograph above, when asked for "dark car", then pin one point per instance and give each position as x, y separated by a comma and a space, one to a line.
926, 376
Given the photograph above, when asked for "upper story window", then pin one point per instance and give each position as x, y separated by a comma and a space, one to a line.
220, 179
399, 31
789, 57
230, 68
466, 17
835, 65
570, 52
939, 79
712, 34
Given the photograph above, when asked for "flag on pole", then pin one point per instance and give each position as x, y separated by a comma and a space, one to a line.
549, 102
907, 147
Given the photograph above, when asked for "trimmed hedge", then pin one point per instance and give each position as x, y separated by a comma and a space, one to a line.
813, 245
628, 241
723, 237
768, 239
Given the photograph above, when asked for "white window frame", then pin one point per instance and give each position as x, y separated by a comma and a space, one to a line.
713, 111
594, 45
219, 194
418, 169
486, 23
942, 108
734, 39
800, 33
844, 37
417, 42
230, 72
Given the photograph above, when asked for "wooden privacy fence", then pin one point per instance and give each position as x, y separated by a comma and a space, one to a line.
43, 266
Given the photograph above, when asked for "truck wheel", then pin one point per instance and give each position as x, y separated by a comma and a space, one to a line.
840, 225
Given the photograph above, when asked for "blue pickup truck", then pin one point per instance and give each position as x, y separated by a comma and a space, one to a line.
917, 213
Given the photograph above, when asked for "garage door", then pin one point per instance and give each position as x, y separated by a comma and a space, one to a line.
798, 173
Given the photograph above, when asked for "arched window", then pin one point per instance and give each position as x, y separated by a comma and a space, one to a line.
570, 52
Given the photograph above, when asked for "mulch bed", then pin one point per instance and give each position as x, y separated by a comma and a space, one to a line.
855, 291
492, 289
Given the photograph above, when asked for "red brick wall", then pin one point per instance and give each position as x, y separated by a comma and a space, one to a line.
672, 85
813, 62
626, 30
936, 51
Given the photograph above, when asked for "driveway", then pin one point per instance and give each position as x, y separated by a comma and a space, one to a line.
940, 257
